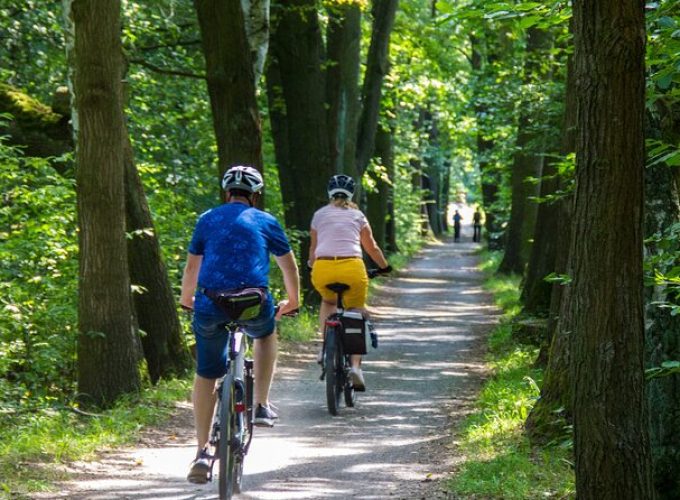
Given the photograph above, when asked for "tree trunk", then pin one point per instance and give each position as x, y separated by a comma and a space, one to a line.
256, 19
536, 291
231, 84
342, 93
296, 94
611, 435
662, 340
489, 177
377, 200
154, 302
528, 161
37, 128
107, 358
377, 66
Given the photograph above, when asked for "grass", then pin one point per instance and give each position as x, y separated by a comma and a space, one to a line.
500, 463
34, 443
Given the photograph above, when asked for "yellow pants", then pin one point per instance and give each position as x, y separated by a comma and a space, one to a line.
351, 272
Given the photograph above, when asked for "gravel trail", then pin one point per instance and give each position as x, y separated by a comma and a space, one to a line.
397, 442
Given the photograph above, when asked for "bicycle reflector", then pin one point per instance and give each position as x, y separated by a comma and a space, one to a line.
333, 322
239, 407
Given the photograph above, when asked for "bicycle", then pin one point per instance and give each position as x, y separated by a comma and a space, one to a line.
231, 430
344, 336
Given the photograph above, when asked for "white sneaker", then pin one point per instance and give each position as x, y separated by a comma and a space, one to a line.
357, 379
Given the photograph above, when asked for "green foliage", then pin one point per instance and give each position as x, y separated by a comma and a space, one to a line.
500, 462
56, 434
37, 286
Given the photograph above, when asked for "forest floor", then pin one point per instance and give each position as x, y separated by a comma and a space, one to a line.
398, 442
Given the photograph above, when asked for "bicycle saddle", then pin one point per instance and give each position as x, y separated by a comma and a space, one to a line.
337, 287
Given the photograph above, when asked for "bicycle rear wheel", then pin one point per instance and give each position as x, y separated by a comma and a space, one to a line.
335, 376
225, 449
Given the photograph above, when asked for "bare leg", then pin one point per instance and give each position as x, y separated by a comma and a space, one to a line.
264, 351
327, 308
203, 398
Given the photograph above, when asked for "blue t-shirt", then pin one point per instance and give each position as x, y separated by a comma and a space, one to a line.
235, 241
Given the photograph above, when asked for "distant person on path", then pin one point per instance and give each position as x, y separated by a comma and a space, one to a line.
339, 231
229, 251
456, 225
477, 226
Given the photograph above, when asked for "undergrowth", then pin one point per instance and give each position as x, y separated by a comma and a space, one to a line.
500, 462
33, 443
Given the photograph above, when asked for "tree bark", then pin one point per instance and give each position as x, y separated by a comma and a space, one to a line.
662, 340
256, 18
377, 66
107, 358
231, 84
611, 435
342, 93
378, 200
296, 94
528, 161
154, 303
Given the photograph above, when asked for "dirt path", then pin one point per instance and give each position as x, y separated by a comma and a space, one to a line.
432, 319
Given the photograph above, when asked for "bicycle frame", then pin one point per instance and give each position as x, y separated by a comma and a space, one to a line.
232, 428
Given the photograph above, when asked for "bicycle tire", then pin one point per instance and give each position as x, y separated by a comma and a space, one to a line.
225, 449
350, 395
334, 372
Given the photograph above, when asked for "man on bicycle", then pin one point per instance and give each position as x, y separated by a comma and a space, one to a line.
229, 251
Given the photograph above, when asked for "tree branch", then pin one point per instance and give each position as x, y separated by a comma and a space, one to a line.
164, 71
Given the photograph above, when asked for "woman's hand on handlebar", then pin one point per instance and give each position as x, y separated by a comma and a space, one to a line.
286, 308
372, 273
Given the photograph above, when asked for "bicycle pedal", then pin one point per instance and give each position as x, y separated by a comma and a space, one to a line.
323, 375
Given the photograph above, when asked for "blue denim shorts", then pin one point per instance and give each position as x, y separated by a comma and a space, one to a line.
211, 337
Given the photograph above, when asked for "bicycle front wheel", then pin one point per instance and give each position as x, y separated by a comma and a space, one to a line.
225, 449
334, 371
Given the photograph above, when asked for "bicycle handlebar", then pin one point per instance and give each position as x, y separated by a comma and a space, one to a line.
373, 273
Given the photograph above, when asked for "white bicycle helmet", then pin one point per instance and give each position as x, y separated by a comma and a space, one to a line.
341, 184
244, 178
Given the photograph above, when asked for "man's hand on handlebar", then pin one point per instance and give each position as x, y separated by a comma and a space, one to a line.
286, 308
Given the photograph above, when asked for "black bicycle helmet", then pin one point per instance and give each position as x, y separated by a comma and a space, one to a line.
342, 185
243, 178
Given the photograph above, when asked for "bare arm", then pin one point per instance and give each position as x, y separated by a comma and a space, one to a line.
312, 247
291, 281
190, 280
372, 249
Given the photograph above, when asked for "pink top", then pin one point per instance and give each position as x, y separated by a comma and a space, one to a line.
337, 230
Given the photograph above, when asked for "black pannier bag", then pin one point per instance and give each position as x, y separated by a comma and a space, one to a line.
239, 305
354, 334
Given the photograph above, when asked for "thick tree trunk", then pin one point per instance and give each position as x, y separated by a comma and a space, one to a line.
611, 435
342, 94
231, 84
528, 162
107, 358
155, 305
377, 66
296, 94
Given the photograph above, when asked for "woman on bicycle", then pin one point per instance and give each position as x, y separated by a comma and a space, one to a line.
339, 231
